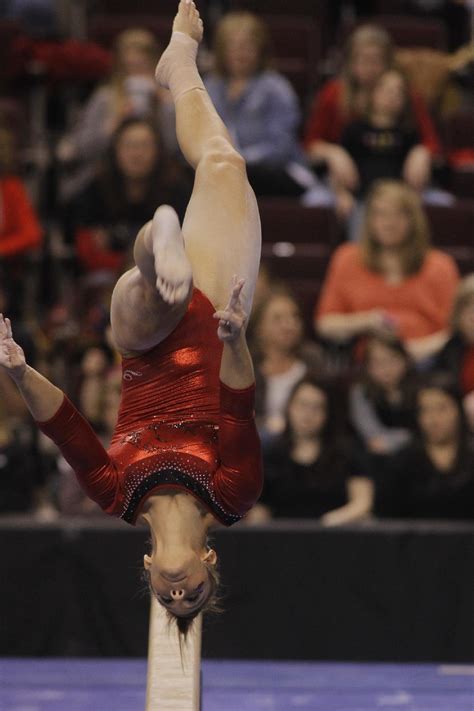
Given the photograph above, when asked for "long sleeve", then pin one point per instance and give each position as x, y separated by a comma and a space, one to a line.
238, 481
81, 448
276, 144
368, 425
90, 136
21, 230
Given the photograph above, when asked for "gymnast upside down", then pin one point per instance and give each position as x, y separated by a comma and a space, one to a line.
185, 453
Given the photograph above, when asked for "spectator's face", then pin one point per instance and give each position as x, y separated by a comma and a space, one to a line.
242, 55
136, 62
388, 97
438, 416
389, 222
307, 411
136, 151
385, 367
466, 321
280, 325
94, 362
367, 65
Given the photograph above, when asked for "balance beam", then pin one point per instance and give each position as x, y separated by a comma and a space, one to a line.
172, 684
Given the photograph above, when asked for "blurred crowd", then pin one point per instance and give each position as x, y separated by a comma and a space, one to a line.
365, 403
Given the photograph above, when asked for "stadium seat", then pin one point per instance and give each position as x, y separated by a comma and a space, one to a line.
103, 28
162, 8
285, 220
407, 31
452, 231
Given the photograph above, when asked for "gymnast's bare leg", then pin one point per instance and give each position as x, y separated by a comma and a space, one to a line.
221, 229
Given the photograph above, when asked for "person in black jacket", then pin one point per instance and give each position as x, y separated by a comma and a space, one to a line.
310, 470
433, 476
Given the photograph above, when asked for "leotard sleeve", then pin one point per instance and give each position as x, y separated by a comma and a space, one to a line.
239, 479
84, 452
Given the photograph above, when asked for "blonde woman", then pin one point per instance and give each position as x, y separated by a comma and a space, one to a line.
392, 280
259, 106
130, 92
369, 54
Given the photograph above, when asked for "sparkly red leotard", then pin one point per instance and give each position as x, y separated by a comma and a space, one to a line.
177, 427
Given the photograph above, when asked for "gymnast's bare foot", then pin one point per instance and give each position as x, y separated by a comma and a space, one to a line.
182, 47
173, 269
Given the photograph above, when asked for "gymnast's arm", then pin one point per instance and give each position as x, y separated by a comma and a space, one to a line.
239, 479
57, 417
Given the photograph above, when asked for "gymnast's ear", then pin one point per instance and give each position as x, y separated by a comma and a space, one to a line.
211, 557
147, 562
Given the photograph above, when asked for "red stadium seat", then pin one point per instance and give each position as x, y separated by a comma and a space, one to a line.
452, 225
104, 28
285, 220
458, 130
462, 182
407, 31
147, 7
452, 231
310, 8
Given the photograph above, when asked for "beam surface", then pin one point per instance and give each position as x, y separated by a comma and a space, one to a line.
173, 683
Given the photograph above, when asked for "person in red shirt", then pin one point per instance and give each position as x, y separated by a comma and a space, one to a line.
20, 231
185, 454
341, 100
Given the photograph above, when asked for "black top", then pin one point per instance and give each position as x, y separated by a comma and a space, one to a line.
123, 218
377, 152
293, 490
409, 485
451, 358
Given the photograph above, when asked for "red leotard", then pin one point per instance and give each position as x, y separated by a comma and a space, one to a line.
177, 427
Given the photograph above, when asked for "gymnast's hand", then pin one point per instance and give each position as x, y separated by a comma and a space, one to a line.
232, 319
12, 357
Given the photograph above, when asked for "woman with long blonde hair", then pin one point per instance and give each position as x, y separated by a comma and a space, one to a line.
392, 280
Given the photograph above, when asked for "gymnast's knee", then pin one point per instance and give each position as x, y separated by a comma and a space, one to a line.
220, 157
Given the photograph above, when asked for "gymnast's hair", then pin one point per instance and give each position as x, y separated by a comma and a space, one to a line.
211, 604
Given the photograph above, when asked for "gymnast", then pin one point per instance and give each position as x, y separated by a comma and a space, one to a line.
185, 454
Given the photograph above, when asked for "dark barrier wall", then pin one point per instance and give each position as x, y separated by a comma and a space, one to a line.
386, 592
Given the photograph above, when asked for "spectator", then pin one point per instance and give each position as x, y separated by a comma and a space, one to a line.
309, 469
433, 477
457, 356
259, 106
281, 356
392, 280
100, 396
20, 231
369, 54
381, 402
135, 177
130, 92
386, 143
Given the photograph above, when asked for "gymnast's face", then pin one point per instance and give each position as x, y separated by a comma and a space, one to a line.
182, 587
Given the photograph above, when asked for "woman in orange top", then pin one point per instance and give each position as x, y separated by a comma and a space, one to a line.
392, 279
